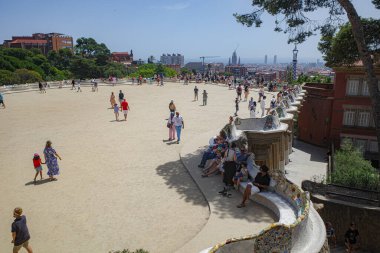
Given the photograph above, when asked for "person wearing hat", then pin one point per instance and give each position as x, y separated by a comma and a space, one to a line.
20, 232
260, 183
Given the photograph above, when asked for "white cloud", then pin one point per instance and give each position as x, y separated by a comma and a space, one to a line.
177, 6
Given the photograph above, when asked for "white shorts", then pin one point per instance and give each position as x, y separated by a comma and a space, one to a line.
254, 188
125, 112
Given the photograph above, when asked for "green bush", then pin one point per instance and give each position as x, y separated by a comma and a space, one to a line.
350, 169
27, 76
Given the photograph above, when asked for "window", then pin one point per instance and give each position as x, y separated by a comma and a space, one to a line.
352, 87
361, 144
363, 119
348, 118
373, 148
365, 91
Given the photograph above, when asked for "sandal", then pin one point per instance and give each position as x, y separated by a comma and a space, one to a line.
240, 205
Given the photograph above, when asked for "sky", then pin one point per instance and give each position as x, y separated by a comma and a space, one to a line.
193, 28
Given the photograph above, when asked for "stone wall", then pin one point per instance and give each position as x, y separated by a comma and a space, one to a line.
341, 214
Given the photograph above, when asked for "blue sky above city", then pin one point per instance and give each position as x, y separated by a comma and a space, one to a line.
193, 28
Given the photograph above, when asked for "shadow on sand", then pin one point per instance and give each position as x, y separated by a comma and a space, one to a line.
38, 182
203, 191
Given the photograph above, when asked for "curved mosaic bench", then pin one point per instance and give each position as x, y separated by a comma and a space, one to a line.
299, 228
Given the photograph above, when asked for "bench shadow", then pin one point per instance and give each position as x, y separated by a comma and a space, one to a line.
204, 191
38, 182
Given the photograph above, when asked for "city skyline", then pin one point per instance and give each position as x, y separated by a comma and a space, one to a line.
151, 28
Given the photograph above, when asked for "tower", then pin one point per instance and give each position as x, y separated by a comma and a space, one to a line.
275, 60
266, 59
295, 52
239, 61
234, 58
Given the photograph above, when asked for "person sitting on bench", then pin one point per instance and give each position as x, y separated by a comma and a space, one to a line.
260, 183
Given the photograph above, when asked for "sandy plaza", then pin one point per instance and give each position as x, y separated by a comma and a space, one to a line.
120, 185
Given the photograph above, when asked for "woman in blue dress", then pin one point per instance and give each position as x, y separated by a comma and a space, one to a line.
51, 161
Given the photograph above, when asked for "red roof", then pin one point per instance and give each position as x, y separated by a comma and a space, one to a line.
120, 53
29, 41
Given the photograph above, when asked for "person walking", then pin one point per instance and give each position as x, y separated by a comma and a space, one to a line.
78, 85
51, 161
179, 125
252, 108
2, 100
246, 92
236, 106
262, 105
121, 97
20, 232
116, 111
352, 239
72, 85
195, 93
112, 100
205, 95
171, 127
125, 108
37, 166
172, 107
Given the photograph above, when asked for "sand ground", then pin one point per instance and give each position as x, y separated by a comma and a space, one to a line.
120, 186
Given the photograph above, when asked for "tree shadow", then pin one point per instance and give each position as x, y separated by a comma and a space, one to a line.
38, 182
203, 191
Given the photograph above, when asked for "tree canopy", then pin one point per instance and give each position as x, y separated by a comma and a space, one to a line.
339, 47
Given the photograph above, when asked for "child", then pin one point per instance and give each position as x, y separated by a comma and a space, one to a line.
236, 106
240, 176
116, 111
37, 166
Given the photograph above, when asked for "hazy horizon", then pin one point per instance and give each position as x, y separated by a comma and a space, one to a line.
193, 28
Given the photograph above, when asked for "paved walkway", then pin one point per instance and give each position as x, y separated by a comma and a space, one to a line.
307, 162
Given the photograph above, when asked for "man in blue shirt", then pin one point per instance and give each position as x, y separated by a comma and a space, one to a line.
20, 232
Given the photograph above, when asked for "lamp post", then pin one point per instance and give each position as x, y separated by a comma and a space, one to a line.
295, 52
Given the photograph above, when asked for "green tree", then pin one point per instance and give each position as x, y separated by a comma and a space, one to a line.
185, 71
27, 76
89, 48
84, 68
7, 77
351, 169
339, 47
292, 18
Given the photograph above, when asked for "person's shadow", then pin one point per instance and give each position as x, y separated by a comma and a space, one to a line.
38, 182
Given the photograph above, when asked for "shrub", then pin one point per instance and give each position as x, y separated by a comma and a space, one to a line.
350, 169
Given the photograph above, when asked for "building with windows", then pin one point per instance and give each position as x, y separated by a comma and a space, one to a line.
44, 41
236, 70
343, 110
122, 57
194, 66
172, 59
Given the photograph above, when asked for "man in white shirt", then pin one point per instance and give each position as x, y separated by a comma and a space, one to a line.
262, 105
179, 125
